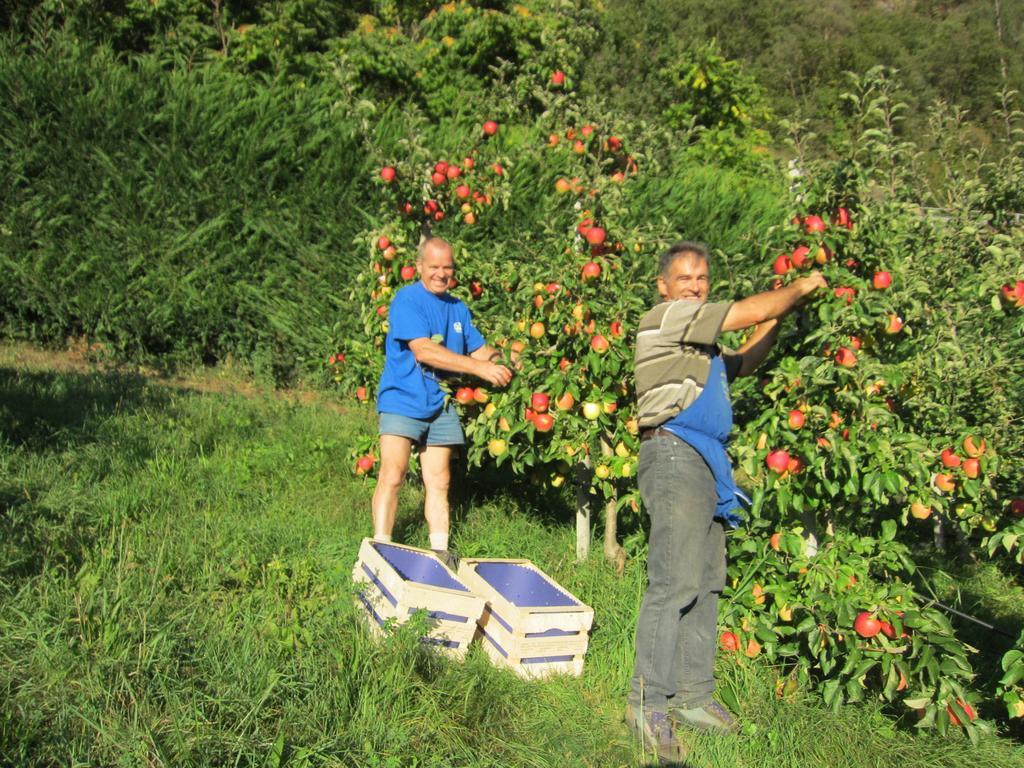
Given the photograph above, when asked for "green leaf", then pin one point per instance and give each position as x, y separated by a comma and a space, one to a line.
888, 530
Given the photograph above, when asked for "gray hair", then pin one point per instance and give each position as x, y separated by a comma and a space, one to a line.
678, 251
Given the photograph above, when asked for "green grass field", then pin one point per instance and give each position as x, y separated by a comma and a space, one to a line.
175, 591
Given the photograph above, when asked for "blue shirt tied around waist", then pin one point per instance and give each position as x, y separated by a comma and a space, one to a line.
705, 425
406, 387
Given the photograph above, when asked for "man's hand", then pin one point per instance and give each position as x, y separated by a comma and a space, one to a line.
811, 283
498, 375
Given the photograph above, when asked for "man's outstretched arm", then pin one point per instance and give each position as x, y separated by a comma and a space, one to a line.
771, 305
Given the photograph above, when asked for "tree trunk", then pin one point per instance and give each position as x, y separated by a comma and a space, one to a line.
583, 475
612, 551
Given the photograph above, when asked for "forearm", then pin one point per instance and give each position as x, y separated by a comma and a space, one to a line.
773, 304
487, 353
434, 355
756, 348
761, 307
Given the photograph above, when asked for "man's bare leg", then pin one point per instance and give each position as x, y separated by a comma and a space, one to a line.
394, 463
435, 465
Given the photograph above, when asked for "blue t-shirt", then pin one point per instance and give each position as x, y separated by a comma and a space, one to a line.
705, 425
406, 387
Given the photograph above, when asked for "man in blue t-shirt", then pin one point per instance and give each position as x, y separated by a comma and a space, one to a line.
430, 335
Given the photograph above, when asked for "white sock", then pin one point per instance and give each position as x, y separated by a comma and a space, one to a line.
439, 541
382, 537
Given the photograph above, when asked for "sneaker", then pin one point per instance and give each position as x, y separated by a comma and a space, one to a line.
711, 717
655, 732
447, 557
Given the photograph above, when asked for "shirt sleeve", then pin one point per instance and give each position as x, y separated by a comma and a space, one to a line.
689, 322
474, 339
407, 320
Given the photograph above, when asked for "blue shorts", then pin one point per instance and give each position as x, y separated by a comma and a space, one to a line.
443, 429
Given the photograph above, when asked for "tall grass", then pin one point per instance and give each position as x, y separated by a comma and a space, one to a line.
174, 590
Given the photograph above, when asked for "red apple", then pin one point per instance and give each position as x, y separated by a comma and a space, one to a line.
729, 642
453, 172
796, 419
591, 270
543, 422
775, 541
1014, 294
539, 401
846, 358
895, 324
595, 235
1017, 507
777, 461
842, 219
475, 289
615, 328
813, 224
498, 169
973, 448
614, 143
437, 179
599, 344
565, 402
361, 394
387, 173
557, 78
949, 459
462, 191
364, 464
967, 708
866, 625
490, 128
799, 255
383, 242
782, 264
408, 272
845, 291
972, 468
881, 280
465, 396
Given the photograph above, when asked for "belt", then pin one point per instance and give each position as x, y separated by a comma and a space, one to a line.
648, 432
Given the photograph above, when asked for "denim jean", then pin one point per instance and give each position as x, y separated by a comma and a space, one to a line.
676, 632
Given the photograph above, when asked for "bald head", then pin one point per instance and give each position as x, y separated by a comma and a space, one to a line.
433, 245
435, 264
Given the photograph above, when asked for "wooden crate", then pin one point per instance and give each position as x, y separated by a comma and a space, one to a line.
398, 580
530, 624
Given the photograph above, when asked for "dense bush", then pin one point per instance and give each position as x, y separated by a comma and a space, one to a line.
177, 216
